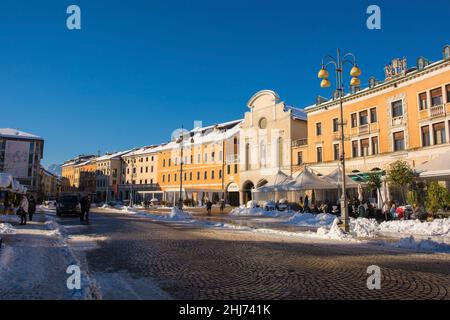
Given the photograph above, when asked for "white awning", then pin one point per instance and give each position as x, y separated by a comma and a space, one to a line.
436, 168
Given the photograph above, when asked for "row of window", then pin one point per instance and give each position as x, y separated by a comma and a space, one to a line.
439, 136
436, 97
141, 170
152, 158
360, 148
362, 116
188, 176
190, 159
142, 181
365, 116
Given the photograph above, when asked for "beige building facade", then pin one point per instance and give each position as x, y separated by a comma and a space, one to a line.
267, 133
139, 178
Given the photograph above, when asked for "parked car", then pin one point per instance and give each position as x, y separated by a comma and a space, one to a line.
68, 204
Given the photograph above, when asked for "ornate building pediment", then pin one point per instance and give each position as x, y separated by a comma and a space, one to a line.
396, 68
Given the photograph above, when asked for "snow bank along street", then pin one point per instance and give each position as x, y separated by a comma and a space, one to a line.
34, 259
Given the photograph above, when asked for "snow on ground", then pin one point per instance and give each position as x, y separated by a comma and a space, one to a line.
312, 220
258, 212
363, 227
6, 228
437, 227
177, 214
123, 209
421, 245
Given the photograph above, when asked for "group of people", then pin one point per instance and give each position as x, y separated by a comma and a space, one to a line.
365, 209
27, 206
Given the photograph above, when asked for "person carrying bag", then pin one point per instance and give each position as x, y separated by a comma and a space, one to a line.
23, 210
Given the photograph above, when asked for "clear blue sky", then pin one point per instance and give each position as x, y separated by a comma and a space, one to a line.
139, 69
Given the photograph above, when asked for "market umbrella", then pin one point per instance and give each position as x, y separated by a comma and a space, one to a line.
360, 193
308, 181
335, 178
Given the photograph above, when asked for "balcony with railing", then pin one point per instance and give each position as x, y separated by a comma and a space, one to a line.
397, 121
299, 142
437, 110
364, 128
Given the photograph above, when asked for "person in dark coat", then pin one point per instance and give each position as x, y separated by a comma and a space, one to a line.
31, 207
85, 205
222, 205
208, 207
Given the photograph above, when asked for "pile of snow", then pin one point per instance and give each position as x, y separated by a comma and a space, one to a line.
6, 228
335, 232
258, 212
312, 220
422, 245
121, 208
177, 214
244, 211
437, 227
363, 227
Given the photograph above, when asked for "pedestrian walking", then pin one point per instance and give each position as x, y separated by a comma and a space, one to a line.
222, 205
23, 210
6, 203
31, 207
306, 202
85, 205
208, 207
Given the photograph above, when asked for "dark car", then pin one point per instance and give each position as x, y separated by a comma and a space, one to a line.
68, 204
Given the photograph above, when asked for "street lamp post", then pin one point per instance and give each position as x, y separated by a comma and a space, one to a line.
133, 175
355, 72
180, 140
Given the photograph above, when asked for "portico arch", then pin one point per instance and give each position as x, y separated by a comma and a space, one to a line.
247, 187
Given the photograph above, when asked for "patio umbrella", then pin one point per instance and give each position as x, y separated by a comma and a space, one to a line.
360, 193
335, 178
308, 181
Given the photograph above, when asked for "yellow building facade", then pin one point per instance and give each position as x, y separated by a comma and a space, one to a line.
405, 117
210, 167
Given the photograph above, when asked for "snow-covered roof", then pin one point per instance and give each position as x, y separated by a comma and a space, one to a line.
141, 151
296, 112
48, 173
113, 155
85, 162
15, 133
209, 134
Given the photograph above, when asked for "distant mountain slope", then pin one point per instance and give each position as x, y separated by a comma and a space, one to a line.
55, 169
